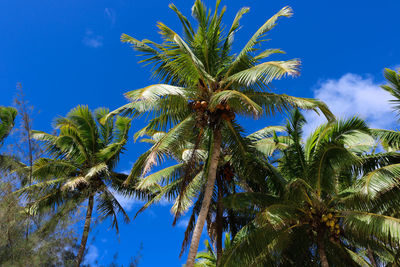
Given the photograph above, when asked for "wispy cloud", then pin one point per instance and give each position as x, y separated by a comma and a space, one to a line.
92, 40
165, 202
110, 15
183, 223
352, 95
92, 255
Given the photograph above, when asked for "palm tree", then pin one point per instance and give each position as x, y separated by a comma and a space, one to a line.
325, 205
168, 182
84, 156
390, 140
205, 85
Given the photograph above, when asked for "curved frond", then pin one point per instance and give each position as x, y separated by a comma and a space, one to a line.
257, 37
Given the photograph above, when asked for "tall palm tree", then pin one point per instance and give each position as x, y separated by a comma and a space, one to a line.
168, 182
334, 199
205, 85
84, 155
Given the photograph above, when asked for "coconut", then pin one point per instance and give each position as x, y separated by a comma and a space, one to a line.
225, 116
220, 106
197, 105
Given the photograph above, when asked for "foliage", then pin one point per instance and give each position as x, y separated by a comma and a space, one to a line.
56, 248
329, 200
204, 85
83, 156
325, 205
20, 242
208, 258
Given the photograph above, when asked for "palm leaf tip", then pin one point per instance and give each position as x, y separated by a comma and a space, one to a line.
287, 11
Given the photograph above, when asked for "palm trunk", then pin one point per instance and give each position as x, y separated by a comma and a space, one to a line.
85, 234
321, 250
212, 171
219, 219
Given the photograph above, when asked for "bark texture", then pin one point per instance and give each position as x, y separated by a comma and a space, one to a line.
86, 230
321, 250
212, 171
219, 218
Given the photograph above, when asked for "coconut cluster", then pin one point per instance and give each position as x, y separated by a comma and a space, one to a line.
223, 110
200, 105
332, 222
202, 116
324, 220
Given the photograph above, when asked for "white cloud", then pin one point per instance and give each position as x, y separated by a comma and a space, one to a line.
353, 95
92, 255
110, 14
92, 40
183, 223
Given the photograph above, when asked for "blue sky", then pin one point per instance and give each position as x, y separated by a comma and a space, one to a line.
67, 53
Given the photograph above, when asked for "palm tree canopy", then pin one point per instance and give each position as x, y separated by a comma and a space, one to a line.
207, 82
200, 66
83, 156
335, 194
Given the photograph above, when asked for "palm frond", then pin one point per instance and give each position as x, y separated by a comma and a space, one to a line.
257, 38
264, 73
